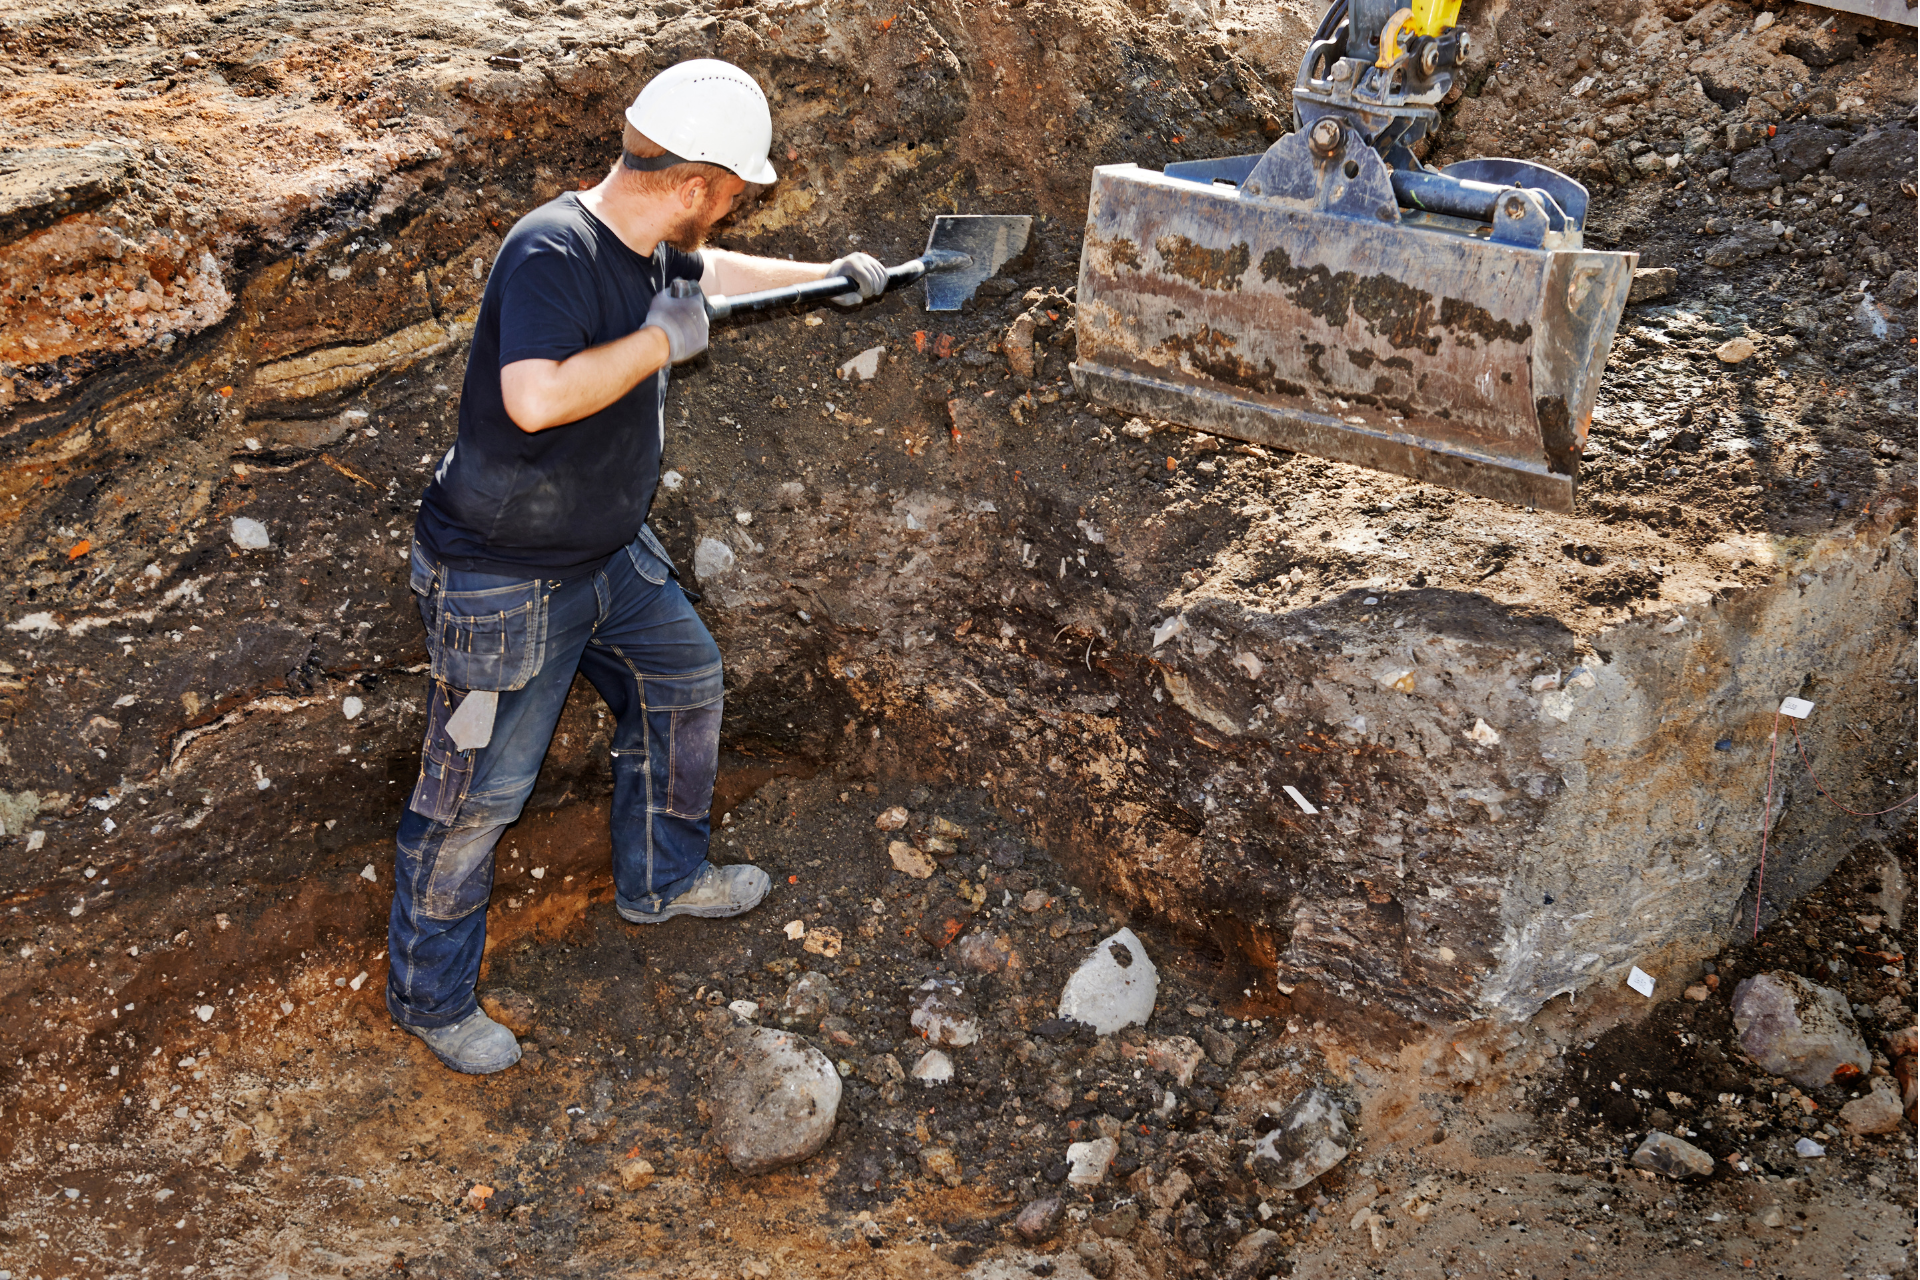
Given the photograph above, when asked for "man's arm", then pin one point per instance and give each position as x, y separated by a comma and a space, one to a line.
733, 273
551, 393
738, 273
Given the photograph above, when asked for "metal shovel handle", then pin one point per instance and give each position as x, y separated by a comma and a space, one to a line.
719, 306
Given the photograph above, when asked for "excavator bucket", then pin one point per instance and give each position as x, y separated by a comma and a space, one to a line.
1445, 325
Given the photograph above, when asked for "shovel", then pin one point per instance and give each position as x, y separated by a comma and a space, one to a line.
962, 251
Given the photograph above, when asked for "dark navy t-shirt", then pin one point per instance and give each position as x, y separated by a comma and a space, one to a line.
558, 502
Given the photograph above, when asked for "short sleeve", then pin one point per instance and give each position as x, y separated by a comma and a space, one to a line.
546, 309
682, 265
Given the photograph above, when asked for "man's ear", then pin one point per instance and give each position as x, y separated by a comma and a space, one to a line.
693, 193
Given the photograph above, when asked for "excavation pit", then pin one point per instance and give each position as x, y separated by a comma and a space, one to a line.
1397, 787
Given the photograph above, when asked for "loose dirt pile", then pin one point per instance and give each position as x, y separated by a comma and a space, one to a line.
240, 251
296, 1132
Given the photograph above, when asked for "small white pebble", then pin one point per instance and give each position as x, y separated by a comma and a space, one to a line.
351, 707
249, 534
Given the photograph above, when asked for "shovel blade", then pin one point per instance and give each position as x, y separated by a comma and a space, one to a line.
990, 240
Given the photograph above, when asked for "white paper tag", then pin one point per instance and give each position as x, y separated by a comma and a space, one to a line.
1299, 800
471, 724
1640, 981
1795, 707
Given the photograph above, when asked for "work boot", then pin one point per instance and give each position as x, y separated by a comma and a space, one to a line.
720, 891
475, 1046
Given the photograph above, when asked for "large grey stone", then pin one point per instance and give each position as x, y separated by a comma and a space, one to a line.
1801, 149
1886, 153
1876, 1112
774, 1099
1754, 170
1799, 1029
1022, 1265
1675, 1157
1650, 284
1310, 1139
1737, 246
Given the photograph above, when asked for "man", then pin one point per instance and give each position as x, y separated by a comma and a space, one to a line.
532, 559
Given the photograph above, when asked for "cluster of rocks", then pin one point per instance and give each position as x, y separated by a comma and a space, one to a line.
774, 1096
1801, 1032
1797, 1029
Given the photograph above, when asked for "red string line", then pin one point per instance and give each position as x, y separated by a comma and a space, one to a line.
1821, 787
1766, 822
1766, 815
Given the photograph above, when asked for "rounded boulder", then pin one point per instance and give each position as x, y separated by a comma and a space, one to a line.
774, 1098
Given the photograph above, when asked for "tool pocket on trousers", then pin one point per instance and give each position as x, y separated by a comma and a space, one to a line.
692, 759
684, 717
489, 637
445, 771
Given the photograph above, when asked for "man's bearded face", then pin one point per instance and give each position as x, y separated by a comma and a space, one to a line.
689, 233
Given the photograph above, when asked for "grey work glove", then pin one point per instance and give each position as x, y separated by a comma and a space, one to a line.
683, 320
864, 270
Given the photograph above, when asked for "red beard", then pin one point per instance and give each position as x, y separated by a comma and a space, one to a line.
689, 233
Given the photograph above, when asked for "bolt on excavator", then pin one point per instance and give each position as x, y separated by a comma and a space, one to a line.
1334, 296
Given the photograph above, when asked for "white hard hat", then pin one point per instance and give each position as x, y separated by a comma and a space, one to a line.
710, 111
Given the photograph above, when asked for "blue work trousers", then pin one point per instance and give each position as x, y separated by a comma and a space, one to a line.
633, 632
